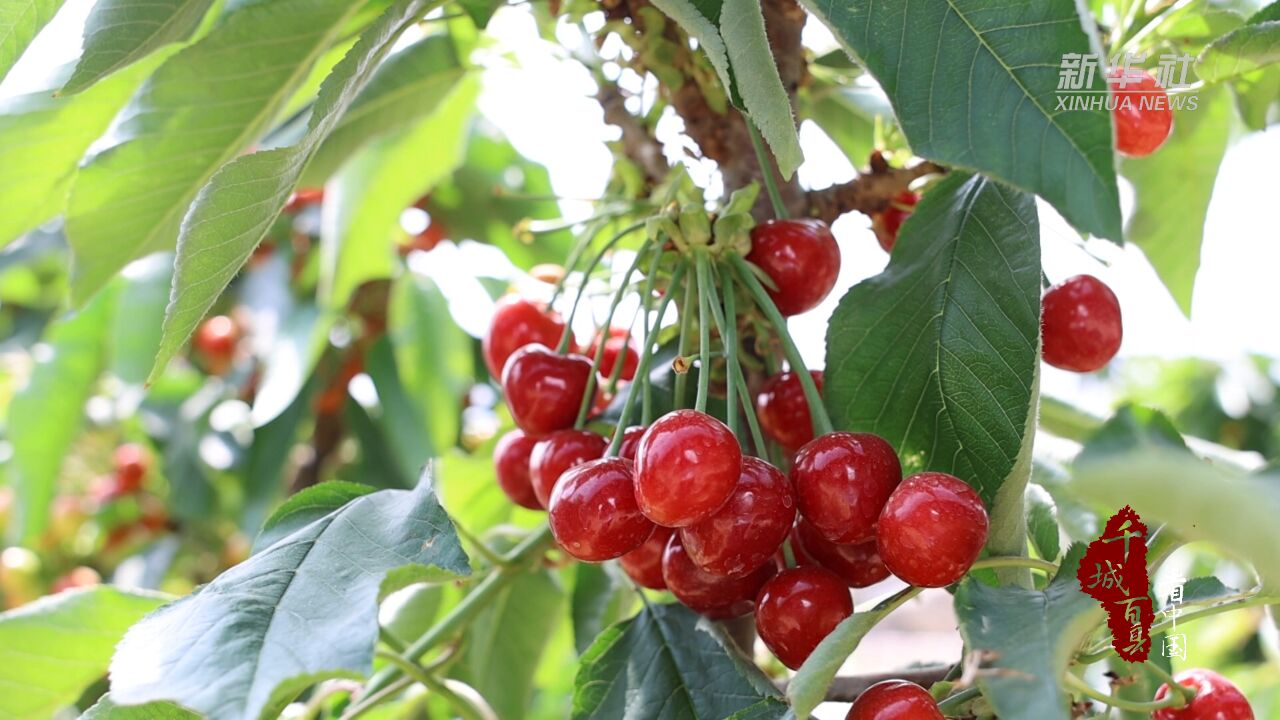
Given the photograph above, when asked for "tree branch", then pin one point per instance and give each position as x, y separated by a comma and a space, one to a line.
868, 193
637, 142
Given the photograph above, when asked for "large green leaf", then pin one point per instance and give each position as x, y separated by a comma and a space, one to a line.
20, 22
53, 648
231, 213
118, 33
1172, 189
1257, 97
1029, 636
135, 324
306, 507
599, 596
848, 114
297, 612
203, 107
47, 413
975, 86
668, 662
937, 354
1131, 428
1254, 46
106, 709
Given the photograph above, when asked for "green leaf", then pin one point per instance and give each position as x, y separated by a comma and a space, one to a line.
976, 86
1196, 500
847, 114
508, 638
135, 323
1131, 428
300, 340
242, 199
55, 647
1030, 636
106, 709
408, 87
201, 109
118, 33
1257, 97
668, 662
302, 610
596, 603
43, 138
397, 417
1254, 46
306, 507
1172, 189
742, 27
1202, 591
20, 22
937, 354
363, 202
51, 408
1042, 523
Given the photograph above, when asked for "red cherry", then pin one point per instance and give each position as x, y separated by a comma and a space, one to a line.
748, 529
618, 345
644, 564
802, 259
784, 411
631, 441
895, 700
593, 511
797, 609
888, 221
544, 389
518, 322
303, 198
77, 577
131, 461
716, 596
687, 464
511, 464
1080, 323
932, 529
216, 338
842, 481
858, 564
1143, 115
1216, 698
558, 452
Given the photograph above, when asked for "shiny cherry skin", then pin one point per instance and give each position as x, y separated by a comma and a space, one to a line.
544, 389
1143, 115
748, 529
802, 259
518, 322
511, 465
895, 700
797, 609
644, 564
131, 461
556, 453
631, 441
1081, 325
618, 345
716, 596
593, 512
858, 564
216, 338
889, 221
932, 529
687, 464
842, 481
784, 411
1217, 698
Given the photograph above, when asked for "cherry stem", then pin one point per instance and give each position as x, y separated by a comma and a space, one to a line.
1188, 692
704, 332
1082, 687
1014, 561
766, 170
464, 708
642, 368
817, 411
952, 703
682, 345
1234, 604
729, 337
575, 257
567, 336
737, 385
588, 396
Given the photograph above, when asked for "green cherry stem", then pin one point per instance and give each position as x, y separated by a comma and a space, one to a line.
953, 702
1188, 692
766, 169
1234, 604
724, 325
818, 411
565, 338
1082, 687
704, 332
1014, 561
682, 345
584, 408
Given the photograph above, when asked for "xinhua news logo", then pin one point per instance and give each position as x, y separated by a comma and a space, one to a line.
1126, 83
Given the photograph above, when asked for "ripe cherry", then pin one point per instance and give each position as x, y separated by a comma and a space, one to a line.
303, 198
1143, 115
558, 452
518, 322
618, 345
858, 564
544, 389
748, 529
76, 577
716, 596
511, 464
644, 564
797, 609
631, 441
887, 222
131, 461
932, 529
1217, 698
687, 464
216, 340
895, 700
842, 481
784, 411
1080, 323
802, 259
593, 511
